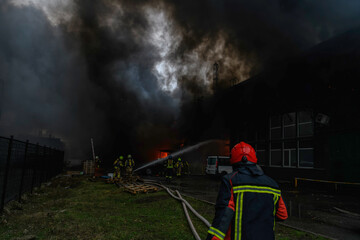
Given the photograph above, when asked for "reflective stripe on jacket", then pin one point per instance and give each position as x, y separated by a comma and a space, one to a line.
247, 205
118, 163
178, 164
129, 162
170, 163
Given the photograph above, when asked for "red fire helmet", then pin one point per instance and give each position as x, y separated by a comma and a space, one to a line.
243, 149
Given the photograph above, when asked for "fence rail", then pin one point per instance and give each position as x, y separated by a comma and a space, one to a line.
296, 182
24, 166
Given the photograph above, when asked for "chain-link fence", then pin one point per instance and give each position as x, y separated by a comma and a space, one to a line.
24, 165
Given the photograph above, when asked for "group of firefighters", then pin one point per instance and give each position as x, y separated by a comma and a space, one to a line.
123, 167
177, 166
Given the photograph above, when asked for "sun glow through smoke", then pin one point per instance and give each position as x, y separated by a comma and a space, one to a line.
165, 35
196, 65
165, 40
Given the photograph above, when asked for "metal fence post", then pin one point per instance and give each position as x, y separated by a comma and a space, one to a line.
48, 165
51, 162
50, 174
60, 158
7, 166
43, 166
23, 170
34, 166
48, 171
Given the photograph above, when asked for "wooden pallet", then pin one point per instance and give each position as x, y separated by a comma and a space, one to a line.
136, 188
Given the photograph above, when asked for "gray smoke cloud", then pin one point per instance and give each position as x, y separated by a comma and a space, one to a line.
120, 71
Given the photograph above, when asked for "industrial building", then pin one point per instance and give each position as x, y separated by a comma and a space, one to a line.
303, 115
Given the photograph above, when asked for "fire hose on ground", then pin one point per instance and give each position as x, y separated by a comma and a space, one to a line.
185, 205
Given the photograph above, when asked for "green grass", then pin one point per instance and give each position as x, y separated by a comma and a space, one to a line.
75, 208
285, 233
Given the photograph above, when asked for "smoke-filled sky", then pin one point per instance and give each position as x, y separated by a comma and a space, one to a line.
120, 70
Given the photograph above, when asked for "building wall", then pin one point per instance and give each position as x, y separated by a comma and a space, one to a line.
323, 80
333, 153
344, 158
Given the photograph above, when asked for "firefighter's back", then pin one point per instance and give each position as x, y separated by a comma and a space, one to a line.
255, 198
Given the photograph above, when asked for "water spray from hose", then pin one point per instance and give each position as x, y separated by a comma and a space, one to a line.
178, 153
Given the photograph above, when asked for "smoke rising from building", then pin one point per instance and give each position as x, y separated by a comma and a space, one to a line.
120, 70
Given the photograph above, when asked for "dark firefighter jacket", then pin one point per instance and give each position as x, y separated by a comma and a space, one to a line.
129, 162
169, 163
247, 205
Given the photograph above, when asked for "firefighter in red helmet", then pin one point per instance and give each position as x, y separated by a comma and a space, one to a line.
248, 202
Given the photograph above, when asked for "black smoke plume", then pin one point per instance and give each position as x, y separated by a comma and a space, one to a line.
131, 74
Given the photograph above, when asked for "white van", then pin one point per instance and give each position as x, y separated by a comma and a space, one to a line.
218, 165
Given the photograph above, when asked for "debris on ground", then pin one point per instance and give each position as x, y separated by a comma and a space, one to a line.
133, 185
136, 188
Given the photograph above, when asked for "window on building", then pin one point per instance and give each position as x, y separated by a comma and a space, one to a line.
306, 124
306, 154
306, 157
290, 156
289, 125
290, 149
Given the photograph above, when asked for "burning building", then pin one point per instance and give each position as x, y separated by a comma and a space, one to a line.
196, 155
135, 75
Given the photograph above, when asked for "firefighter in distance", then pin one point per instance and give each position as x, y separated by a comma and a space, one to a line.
179, 165
169, 168
129, 165
118, 165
